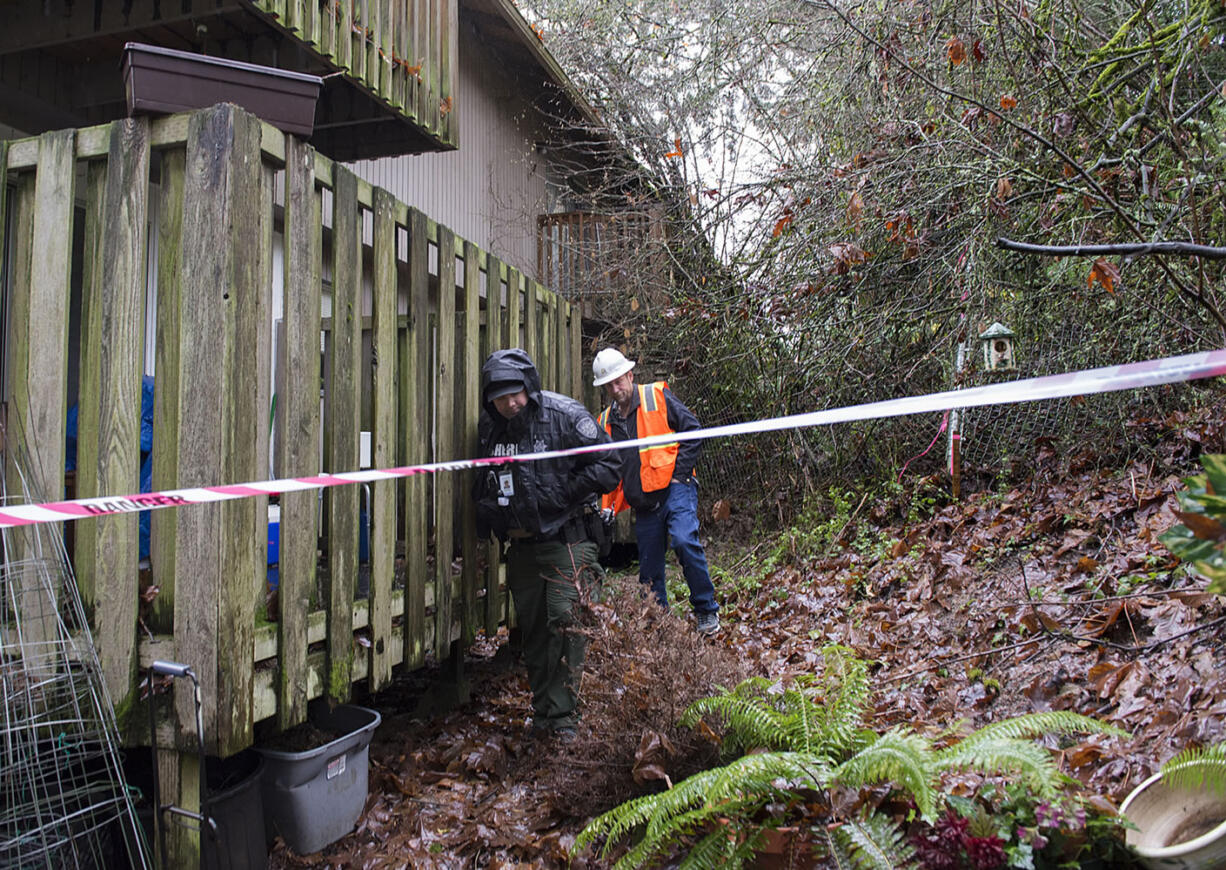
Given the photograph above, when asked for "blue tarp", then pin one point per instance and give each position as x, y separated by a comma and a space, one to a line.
146, 453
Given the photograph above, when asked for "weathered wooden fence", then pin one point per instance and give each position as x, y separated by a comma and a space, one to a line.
179, 224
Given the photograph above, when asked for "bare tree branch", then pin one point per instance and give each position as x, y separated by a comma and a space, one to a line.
1125, 249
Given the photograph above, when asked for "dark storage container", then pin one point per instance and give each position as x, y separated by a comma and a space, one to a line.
236, 804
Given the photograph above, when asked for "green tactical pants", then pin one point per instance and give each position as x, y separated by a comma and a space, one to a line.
545, 580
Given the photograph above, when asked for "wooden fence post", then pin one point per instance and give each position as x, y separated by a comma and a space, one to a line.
217, 555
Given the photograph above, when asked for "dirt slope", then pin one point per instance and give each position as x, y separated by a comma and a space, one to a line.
1051, 594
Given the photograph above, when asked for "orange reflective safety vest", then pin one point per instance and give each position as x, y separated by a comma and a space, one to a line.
656, 461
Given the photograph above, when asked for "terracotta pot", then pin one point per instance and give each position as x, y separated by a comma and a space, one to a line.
1176, 827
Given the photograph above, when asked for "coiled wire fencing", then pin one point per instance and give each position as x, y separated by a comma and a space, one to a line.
63, 799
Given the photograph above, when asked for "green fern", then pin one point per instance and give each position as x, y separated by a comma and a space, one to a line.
1005, 747
847, 692
874, 842
733, 791
897, 756
1031, 725
749, 714
721, 848
837, 852
810, 737
1028, 761
1197, 768
816, 715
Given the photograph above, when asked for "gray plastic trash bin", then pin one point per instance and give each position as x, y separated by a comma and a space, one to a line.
315, 797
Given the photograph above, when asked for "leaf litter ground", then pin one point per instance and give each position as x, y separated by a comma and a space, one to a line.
1051, 594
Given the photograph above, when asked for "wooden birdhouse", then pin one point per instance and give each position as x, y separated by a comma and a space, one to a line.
997, 341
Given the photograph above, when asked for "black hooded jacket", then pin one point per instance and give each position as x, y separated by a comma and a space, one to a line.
547, 492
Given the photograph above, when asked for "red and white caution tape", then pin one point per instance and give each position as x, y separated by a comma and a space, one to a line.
1102, 380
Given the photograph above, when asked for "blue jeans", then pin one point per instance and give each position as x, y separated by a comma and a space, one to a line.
676, 518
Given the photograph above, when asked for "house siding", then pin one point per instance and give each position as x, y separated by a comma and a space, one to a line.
492, 188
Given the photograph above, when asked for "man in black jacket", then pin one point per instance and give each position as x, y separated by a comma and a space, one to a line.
539, 506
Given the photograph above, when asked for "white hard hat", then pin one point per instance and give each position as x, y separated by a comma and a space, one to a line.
609, 365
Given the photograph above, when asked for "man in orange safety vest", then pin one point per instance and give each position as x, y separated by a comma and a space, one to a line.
658, 481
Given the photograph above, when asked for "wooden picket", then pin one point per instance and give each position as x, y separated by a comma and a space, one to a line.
298, 432
342, 429
445, 407
112, 331
415, 399
382, 506
469, 381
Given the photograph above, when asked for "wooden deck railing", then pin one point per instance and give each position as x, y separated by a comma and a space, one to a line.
203, 201
403, 51
588, 254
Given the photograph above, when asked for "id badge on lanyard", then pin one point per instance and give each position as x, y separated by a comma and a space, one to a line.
506, 486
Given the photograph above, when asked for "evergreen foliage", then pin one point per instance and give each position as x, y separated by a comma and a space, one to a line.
810, 737
874, 842
819, 714
1197, 768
